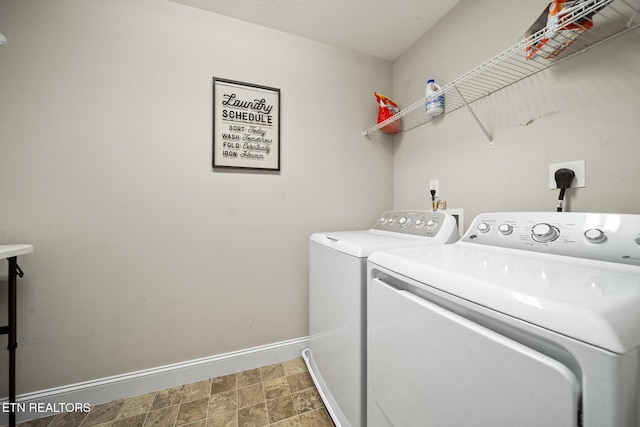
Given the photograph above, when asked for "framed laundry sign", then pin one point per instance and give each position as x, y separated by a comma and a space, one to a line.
246, 125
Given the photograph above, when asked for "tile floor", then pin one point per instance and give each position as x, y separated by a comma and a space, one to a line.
278, 395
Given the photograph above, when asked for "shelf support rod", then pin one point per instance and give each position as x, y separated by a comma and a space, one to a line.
466, 104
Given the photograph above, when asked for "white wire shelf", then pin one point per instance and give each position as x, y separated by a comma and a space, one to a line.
592, 22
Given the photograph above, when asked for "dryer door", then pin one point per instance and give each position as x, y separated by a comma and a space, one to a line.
428, 366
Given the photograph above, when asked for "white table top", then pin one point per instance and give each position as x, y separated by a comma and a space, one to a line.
8, 251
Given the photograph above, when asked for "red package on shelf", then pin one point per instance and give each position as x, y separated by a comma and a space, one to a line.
388, 108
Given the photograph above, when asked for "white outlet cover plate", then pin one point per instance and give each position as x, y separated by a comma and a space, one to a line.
434, 184
577, 166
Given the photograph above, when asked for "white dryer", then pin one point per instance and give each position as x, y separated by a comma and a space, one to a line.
337, 302
531, 319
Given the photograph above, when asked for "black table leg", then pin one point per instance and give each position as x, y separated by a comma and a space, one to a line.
14, 271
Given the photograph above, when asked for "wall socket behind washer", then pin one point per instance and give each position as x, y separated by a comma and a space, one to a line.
578, 167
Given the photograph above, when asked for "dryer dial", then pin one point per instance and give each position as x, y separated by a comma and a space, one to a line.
483, 227
595, 235
505, 229
544, 233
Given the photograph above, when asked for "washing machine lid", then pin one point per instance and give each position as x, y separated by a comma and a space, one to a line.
362, 243
596, 302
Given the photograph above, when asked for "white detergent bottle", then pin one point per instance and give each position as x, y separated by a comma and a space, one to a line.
435, 104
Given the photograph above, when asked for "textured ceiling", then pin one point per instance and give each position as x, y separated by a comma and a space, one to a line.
379, 28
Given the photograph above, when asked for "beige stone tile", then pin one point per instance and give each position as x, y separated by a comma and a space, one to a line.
307, 400
163, 417
193, 411
253, 416
135, 421
44, 422
103, 413
252, 376
223, 402
276, 388
167, 397
294, 366
289, 422
270, 372
251, 395
227, 419
280, 393
300, 381
136, 405
196, 391
280, 409
224, 383
69, 419
316, 418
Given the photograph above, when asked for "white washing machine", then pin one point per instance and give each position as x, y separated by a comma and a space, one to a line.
531, 319
337, 302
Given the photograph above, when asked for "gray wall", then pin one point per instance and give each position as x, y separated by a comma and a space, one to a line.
145, 256
586, 108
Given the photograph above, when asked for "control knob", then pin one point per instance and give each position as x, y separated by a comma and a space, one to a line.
505, 229
483, 227
419, 223
544, 233
594, 235
404, 221
431, 224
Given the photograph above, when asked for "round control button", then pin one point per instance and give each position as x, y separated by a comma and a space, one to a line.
483, 227
383, 220
431, 224
391, 221
505, 229
419, 223
544, 233
594, 235
404, 222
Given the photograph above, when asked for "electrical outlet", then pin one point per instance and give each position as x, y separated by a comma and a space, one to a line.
578, 167
434, 184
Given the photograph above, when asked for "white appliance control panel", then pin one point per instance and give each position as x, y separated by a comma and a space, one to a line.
599, 236
419, 223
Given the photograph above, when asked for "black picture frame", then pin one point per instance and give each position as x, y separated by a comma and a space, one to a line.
246, 125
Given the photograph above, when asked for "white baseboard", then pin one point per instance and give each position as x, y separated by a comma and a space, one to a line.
148, 380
